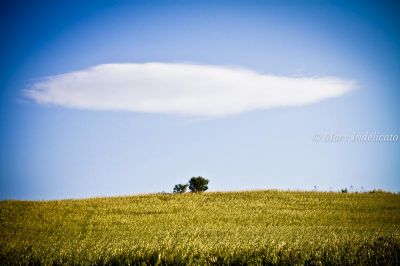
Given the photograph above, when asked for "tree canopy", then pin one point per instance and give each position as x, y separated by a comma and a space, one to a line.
198, 184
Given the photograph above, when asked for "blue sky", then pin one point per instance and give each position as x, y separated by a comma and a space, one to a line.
61, 148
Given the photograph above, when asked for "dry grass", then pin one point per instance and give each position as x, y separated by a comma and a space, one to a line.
241, 228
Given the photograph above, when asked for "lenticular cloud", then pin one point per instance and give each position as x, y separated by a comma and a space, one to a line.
183, 89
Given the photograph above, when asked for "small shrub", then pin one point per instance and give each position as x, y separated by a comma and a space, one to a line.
180, 188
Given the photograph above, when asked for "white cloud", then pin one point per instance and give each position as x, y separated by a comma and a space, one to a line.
184, 89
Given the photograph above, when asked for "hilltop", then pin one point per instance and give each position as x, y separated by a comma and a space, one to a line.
252, 227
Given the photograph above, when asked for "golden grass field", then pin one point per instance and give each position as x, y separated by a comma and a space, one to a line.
215, 228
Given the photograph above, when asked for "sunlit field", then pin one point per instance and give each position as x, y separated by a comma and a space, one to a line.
240, 228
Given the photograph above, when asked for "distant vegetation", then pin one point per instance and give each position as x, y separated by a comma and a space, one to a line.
237, 228
196, 185
180, 188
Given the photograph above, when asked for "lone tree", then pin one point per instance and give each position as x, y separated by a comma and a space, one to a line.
180, 188
198, 184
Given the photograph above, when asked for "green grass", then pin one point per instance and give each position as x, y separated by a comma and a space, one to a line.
240, 228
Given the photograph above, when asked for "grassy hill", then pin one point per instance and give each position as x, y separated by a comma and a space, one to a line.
259, 227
